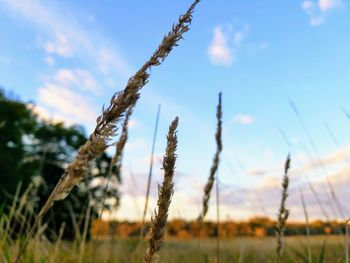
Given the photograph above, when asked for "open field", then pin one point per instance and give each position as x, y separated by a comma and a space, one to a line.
240, 249
67, 196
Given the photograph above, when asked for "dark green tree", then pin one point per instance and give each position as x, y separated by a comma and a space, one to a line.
54, 146
33, 149
17, 124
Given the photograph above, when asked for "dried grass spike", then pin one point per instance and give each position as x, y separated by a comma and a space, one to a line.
215, 165
283, 212
165, 192
116, 162
106, 125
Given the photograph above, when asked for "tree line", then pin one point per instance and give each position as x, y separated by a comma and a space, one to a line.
254, 227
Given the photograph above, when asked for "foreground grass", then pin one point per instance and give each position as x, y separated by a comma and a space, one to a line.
240, 249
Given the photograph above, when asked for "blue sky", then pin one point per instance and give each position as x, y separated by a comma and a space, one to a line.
69, 57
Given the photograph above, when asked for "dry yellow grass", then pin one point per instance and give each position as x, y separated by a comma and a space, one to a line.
215, 165
107, 122
165, 193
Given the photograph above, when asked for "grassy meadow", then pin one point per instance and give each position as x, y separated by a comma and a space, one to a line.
240, 249
35, 228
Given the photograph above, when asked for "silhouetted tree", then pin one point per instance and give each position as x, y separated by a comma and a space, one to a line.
33, 149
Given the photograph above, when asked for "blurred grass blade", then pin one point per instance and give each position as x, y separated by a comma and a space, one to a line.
322, 252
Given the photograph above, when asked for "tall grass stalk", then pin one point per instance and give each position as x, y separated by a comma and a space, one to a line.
307, 226
75, 224
150, 172
241, 254
165, 192
85, 232
311, 187
346, 246
332, 195
107, 122
58, 242
22, 202
12, 213
215, 165
335, 141
283, 212
217, 218
114, 168
335, 199
116, 162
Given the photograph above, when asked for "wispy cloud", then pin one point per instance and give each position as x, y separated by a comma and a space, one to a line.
59, 46
263, 198
63, 97
66, 95
311, 9
219, 50
65, 92
43, 113
242, 202
63, 36
82, 79
326, 5
340, 155
225, 45
307, 166
257, 171
243, 119
317, 11
66, 104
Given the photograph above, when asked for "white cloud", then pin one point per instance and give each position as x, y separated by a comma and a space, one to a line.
79, 78
226, 44
138, 144
257, 172
326, 5
240, 202
65, 96
317, 11
43, 113
307, 167
65, 37
243, 119
311, 9
133, 123
65, 76
243, 202
219, 50
108, 60
270, 182
60, 46
330, 159
316, 21
62, 103
307, 5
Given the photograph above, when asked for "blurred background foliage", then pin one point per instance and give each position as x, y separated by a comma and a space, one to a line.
34, 154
